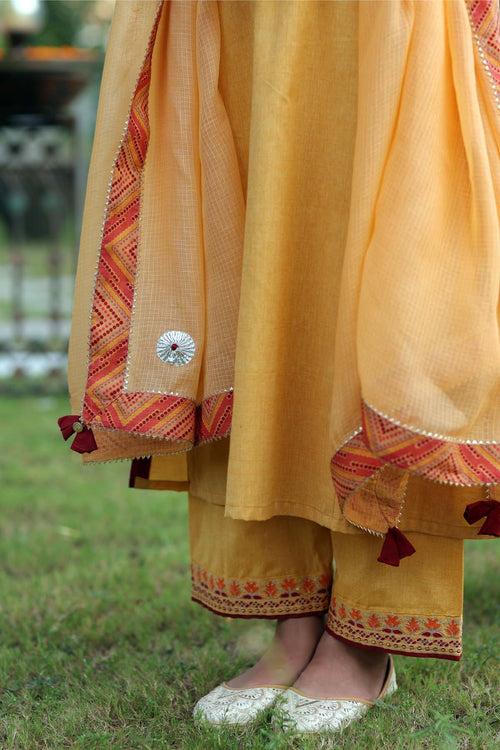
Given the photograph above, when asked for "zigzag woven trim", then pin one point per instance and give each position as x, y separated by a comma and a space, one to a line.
383, 441
106, 404
214, 416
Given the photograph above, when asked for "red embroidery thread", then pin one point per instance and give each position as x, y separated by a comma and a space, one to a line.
269, 597
415, 635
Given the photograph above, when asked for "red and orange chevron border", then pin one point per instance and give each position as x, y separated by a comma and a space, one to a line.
106, 404
382, 441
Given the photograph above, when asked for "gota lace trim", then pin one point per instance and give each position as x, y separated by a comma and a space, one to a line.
436, 435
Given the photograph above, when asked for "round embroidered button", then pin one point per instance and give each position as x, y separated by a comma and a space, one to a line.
175, 347
77, 427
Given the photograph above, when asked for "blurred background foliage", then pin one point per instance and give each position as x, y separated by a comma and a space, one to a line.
82, 23
65, 22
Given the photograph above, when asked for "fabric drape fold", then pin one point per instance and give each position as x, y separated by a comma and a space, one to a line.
317, 231
419, 299
169, 267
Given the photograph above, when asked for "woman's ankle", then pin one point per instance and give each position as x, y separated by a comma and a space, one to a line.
300, 634
292, 647
338, 669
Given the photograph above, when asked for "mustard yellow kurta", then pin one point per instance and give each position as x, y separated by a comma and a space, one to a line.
366, 141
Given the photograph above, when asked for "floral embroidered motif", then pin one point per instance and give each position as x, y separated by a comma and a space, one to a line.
416, 635
406, 634
269, 597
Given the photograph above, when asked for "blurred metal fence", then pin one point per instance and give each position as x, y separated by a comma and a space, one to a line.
37, 210
43, 156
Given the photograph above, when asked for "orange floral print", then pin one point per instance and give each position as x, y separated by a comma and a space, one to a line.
251, 587
274, 597
406, 634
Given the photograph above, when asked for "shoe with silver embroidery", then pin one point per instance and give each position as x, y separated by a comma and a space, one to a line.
304, 714
228, 705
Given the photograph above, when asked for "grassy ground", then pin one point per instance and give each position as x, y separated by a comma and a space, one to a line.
101, 647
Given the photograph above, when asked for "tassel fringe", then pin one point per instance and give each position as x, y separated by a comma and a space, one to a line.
395, 547
488, 509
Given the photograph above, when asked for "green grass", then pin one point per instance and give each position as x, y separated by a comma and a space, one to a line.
101, 647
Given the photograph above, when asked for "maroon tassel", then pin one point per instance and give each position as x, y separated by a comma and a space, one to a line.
489, 509
395, 547
84, 441
66, 424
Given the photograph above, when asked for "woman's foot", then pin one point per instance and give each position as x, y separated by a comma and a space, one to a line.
289, 653
338, 670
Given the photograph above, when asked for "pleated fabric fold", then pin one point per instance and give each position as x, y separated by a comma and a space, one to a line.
301, 251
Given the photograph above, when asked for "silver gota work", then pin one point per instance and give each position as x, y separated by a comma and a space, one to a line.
175, 347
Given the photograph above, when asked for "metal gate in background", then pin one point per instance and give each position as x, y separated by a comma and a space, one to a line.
43, 157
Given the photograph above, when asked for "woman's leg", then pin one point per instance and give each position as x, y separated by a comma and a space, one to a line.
414, 609
278, 569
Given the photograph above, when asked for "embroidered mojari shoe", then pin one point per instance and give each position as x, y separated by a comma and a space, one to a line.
304, 714
228, 705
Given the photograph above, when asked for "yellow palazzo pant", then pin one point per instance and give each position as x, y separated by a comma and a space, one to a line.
289, 566
283, 567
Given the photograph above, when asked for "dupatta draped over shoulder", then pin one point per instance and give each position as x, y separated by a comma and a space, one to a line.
291, 237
